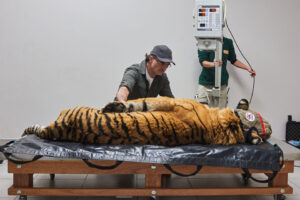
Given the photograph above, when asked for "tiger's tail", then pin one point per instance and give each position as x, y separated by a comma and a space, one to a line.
35, 129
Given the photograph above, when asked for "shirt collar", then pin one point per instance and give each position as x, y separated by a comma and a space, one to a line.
143, 67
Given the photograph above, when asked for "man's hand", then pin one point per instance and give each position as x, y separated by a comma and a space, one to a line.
114, 107
252, 72
122, 94
220, 63
241, 65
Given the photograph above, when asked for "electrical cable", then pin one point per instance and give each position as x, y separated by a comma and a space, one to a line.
244, 58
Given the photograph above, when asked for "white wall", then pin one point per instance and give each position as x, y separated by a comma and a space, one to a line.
57, 54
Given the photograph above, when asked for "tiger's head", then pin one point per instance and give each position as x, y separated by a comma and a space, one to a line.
255, 128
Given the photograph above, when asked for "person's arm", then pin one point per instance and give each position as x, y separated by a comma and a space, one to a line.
236, 62
204, 60
208, 64
166, 90
126, 85
241, 65
122, 94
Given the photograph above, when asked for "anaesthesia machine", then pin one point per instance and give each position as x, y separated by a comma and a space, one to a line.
208, 31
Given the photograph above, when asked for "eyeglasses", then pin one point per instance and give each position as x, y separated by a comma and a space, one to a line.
163, 63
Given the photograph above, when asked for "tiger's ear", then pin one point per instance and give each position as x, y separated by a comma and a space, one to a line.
243, 104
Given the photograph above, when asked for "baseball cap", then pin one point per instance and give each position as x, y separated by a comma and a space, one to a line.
163, 53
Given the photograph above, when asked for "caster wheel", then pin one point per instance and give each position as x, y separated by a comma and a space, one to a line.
52, 176
153, 198
246, 179
279, 197
23, 197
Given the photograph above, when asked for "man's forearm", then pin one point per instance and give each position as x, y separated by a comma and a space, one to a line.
241, 65
122, 94
211, 64
208, 64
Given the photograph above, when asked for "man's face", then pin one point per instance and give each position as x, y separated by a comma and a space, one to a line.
158, 67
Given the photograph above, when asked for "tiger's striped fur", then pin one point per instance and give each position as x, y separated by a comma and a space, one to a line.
158, 121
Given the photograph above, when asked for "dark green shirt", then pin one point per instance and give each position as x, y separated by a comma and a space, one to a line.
207, 76
134, 79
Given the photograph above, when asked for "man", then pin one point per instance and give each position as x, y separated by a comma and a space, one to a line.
207, 76
147, 79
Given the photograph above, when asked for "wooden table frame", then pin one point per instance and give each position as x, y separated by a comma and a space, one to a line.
23, 179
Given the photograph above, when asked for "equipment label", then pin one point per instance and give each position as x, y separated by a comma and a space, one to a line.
250, 117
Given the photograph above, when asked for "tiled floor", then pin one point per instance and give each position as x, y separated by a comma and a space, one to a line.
109, 181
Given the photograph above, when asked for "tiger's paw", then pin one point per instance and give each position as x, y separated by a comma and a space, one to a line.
256, 141
35, 129
255, 138
115, 106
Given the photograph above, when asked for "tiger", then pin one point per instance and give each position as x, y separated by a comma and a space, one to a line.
146, 121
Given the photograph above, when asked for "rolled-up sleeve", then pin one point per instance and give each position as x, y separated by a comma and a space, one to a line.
232, 56
129, 78
203, 56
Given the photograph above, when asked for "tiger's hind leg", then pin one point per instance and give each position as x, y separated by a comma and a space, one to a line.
35, 129
56, 130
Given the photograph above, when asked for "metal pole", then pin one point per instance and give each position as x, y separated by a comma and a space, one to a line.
216, 91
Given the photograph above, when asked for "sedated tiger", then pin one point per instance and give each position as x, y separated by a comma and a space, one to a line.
156, 121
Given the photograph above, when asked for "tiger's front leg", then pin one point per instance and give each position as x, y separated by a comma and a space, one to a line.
142, 104
152, 104
119, 107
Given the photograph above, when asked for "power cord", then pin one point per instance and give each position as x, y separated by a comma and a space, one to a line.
244, 58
